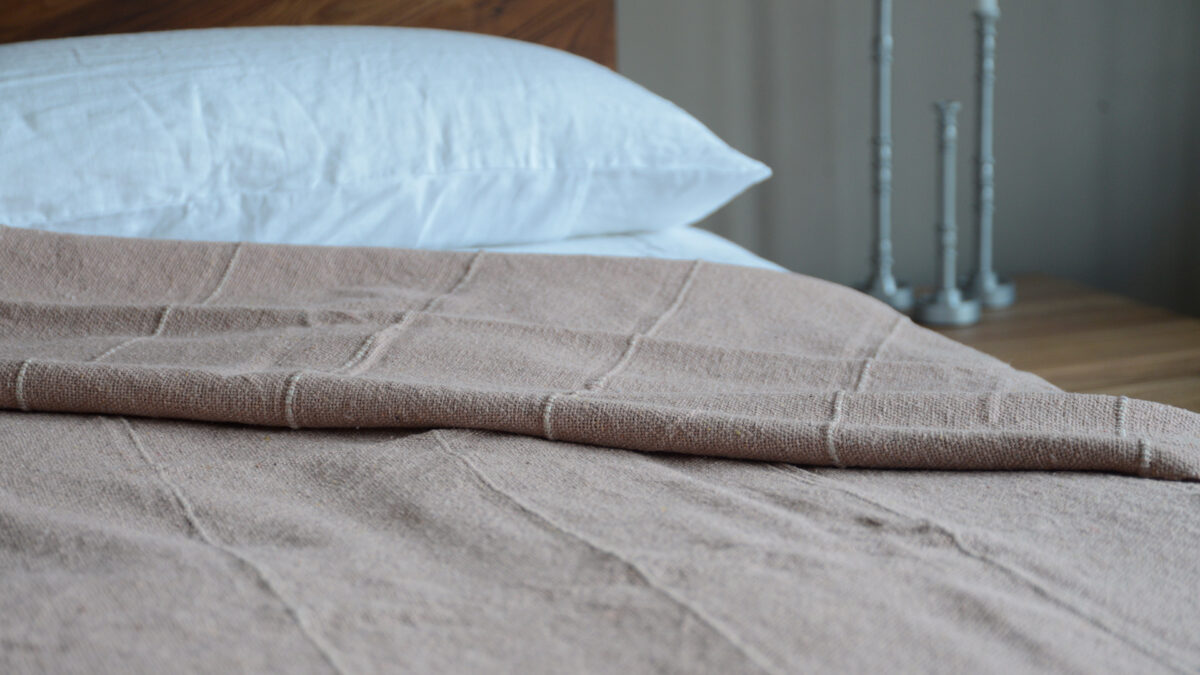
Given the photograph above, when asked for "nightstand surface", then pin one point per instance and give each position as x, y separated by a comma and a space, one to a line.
1090, 341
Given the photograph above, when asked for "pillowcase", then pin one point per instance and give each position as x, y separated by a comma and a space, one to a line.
345, 135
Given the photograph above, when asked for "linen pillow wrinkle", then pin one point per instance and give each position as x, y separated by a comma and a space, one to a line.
345, 135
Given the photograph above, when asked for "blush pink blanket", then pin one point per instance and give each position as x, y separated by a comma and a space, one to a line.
637, 354
239, 458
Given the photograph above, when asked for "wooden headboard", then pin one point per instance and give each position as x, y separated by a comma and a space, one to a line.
586, 27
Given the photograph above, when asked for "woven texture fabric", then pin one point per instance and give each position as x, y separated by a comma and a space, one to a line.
669, 356
130, 544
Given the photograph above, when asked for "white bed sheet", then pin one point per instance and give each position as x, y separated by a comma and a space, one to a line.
687, 243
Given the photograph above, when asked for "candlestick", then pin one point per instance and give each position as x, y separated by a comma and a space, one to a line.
883, 284
984, 284
988, 8
946, 305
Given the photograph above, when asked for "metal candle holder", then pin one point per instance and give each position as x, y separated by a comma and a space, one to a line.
946, 306
882, 284
984, 285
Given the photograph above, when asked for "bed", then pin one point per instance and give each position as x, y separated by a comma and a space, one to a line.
291, 387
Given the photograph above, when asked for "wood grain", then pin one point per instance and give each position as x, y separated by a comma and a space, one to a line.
1089, 341
585, 27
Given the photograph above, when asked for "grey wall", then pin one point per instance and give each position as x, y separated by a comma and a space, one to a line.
1097, 141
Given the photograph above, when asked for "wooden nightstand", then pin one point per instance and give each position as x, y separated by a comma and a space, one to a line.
1089, 341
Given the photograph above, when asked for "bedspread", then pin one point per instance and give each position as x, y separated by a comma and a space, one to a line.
220, 456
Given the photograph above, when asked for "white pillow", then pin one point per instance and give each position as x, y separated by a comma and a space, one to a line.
345, 135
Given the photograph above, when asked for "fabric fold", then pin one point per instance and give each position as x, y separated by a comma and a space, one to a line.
650, 355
